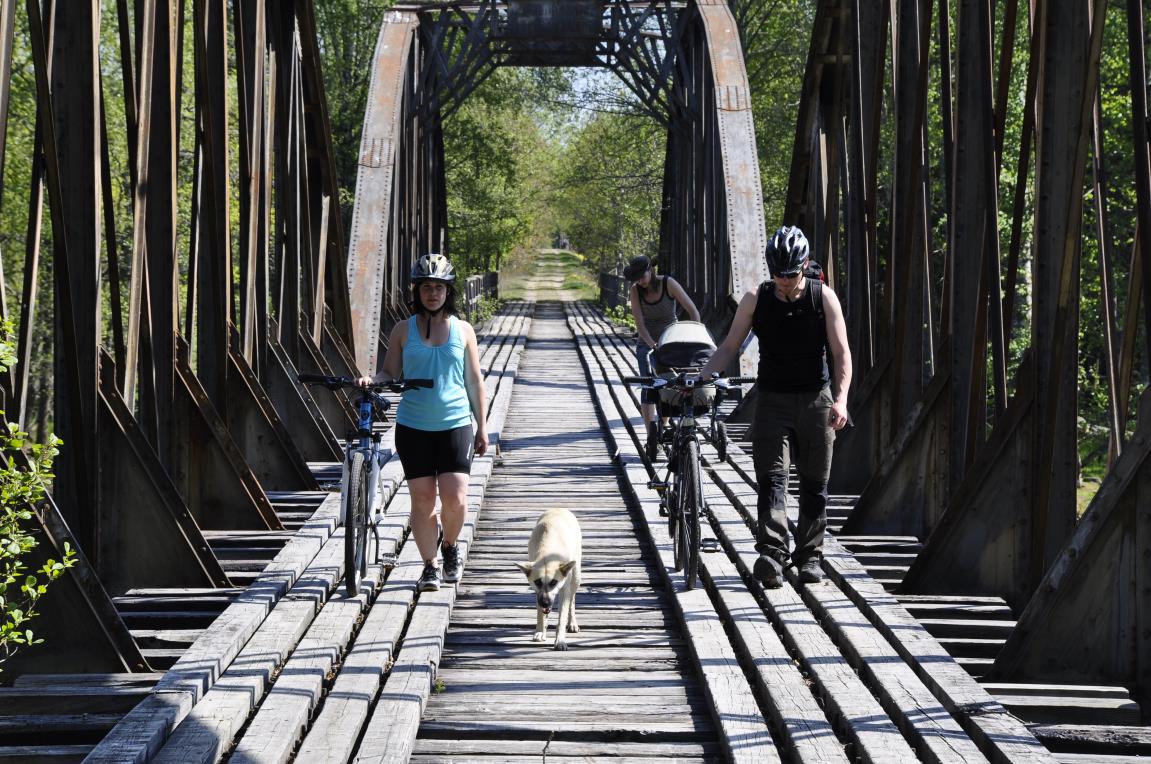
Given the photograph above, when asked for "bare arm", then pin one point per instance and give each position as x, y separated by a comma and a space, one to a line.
637, 314
474, 379
729, 348
840, 357
393, 367
678, 294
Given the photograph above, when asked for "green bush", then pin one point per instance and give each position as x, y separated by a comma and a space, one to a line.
485, 309
620, 314
25, 474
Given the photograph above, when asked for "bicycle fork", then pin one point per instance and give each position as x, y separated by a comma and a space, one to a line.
373, 484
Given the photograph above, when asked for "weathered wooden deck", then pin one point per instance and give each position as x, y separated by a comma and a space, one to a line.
627, 685
284, 666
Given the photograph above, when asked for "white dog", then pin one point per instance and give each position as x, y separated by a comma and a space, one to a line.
554, 571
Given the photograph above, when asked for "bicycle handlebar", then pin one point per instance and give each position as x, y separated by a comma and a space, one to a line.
680, 380
335, 383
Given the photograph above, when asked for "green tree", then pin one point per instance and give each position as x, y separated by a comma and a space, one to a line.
25, 474
609, 187
499, 157
347, 31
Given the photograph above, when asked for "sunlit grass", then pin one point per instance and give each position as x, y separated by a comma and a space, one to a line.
1084, 494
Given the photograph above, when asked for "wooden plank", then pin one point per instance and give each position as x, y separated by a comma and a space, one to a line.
212, 725
613, 751
334, 733
278, 725
88, 680
48, 726
44, 754
78, 699
999, 735
614, 728
1060, 709
536, 701
516, 636
1118, 739
745, 736
560, 711
861, 717
139, 735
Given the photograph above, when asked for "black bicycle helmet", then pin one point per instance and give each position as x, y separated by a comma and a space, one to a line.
433, 267
786, 251
637, 267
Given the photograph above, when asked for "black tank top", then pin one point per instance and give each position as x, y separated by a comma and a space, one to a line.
792, 340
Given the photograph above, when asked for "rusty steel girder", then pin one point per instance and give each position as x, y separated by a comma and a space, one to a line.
952, 444
170, 425
684, 63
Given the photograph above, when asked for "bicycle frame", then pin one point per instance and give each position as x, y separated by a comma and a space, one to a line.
365, 439
362, 454
686, 428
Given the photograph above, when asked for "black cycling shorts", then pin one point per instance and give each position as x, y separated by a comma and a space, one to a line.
427, 453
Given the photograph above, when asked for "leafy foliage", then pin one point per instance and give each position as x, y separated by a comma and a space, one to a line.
347, 31
609, 187
25, 475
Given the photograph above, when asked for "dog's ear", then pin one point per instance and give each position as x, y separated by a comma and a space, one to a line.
526, 567
567, 567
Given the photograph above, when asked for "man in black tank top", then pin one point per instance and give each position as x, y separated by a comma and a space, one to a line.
799, 323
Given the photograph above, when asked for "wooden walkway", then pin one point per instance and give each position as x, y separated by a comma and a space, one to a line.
285, 667
627, 686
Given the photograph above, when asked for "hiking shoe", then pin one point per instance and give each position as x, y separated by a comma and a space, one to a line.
810, 571
768, 572
430, 580
453, 566
651, 446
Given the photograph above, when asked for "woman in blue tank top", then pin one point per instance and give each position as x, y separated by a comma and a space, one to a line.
434, 435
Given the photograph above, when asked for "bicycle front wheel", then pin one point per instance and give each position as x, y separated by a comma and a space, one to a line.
356, 523
692, 503
678, 535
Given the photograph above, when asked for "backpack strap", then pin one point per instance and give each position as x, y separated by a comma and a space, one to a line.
815, 290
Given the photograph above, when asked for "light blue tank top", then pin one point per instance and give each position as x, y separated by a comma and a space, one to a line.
445, 406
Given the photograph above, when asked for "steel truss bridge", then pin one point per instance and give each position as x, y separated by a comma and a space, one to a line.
196, 472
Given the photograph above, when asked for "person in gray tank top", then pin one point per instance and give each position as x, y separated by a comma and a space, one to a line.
654, 304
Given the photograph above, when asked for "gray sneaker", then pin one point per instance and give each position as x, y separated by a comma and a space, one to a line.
453, 565
430, 580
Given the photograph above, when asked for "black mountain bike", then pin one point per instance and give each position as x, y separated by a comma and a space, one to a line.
362, 462
681, 490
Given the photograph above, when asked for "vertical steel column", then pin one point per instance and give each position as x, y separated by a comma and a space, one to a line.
1070, 64
70, 116
908, 257
1136, 44
212, 250
250, 20
971, 221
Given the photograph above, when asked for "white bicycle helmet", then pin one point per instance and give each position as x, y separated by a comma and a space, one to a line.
433, 267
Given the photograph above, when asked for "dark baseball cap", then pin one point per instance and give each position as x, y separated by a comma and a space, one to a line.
637, 267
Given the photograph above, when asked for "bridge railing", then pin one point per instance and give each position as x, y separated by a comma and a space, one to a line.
484, 285
613, 290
